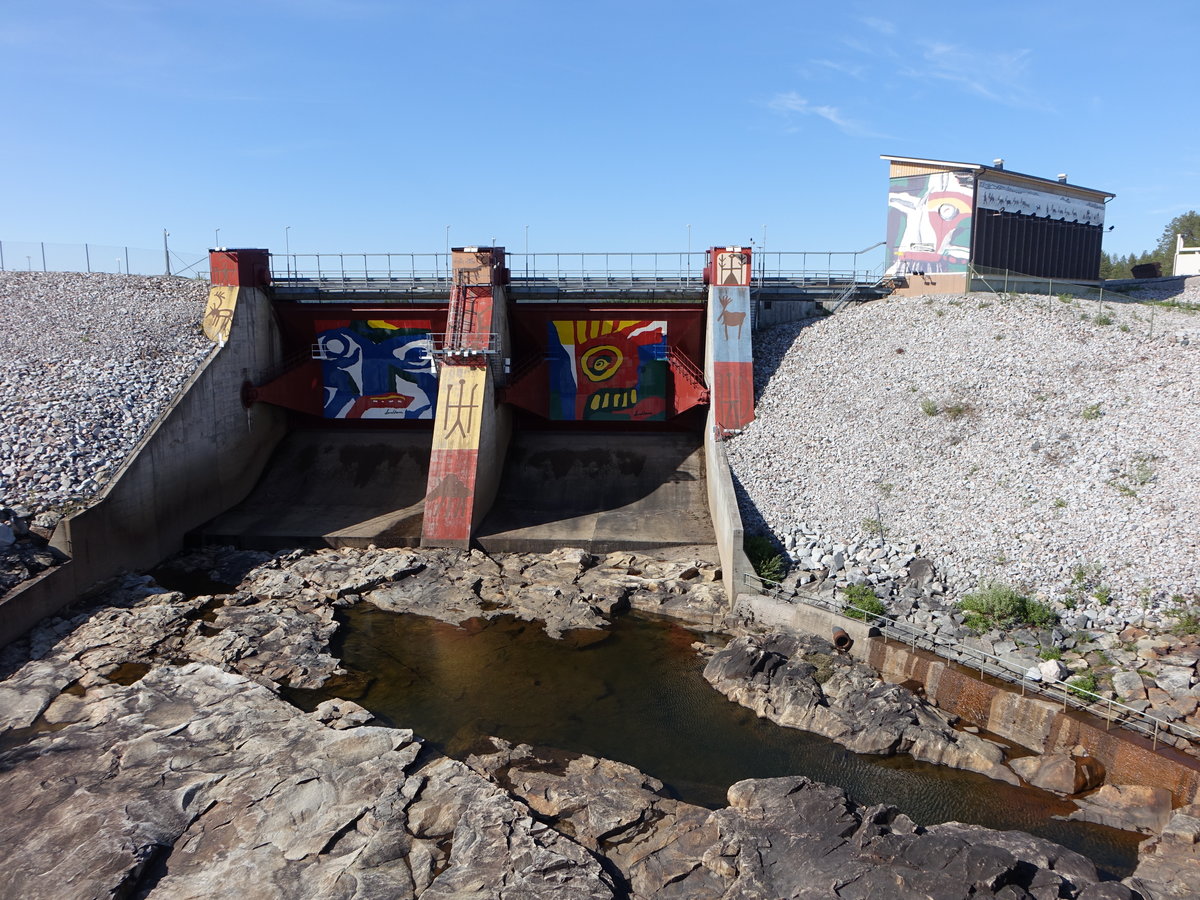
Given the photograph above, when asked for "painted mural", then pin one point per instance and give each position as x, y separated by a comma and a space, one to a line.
377, 369
1030, 202
218, 312
608, 370
929, 223
732, 355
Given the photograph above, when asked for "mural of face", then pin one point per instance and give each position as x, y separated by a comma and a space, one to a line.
377, 369
929, 223
604, 369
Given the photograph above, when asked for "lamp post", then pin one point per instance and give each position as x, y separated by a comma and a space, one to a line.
217, 239
689, 255
287, 249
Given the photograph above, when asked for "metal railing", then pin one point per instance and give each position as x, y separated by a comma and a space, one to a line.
363, 271
598, 271
819, 268
1111, 711
549, 275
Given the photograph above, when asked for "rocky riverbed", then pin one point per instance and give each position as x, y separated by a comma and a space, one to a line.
146, 752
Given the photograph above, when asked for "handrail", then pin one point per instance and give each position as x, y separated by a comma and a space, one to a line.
684, 364
919, 638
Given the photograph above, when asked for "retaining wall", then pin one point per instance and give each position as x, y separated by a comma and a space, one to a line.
1034, 722
776, 312
723, 510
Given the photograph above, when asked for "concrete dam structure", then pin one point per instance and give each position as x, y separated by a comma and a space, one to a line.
470, 408
460, 415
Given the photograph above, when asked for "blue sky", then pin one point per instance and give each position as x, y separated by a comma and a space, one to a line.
371, 126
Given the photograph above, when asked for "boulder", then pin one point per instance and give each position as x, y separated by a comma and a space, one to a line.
1060, 773
1175, 680
1129, 686
1053, 670
1132, 807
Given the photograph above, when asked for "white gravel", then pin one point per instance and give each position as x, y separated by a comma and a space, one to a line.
1059, 442
87, 362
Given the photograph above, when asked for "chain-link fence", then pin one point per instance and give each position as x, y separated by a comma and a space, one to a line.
39, 256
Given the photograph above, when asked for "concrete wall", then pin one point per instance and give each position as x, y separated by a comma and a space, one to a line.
771, 612
776, 312
1015, 283
932, 284
723, 510
495, 431
1034, 722
201, 456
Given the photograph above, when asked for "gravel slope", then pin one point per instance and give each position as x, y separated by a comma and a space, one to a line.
1056, 440
87, 362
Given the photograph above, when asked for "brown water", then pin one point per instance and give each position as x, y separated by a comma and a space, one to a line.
636, 694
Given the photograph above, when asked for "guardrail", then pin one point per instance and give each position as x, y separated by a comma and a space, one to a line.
817, 267
382, 270
1111, 711
591, 270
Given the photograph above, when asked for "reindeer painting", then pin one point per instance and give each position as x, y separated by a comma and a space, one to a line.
727, 318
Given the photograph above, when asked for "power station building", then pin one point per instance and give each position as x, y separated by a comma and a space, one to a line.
952, 223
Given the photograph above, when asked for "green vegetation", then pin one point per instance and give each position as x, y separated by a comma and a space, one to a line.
1187, 224
763, 556
956, 410
1059, 503
1091, 413
929, 407
872, 527
1143, 469
1084, 685
822, 664
1051, 653
997, 605
1065, 298
1186, 616
1103, 319
1123, 489
862, 597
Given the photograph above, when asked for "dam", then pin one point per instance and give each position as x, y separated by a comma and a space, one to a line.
467, 410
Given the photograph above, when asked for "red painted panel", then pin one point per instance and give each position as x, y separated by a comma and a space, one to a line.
728, 266
733, 394
299, 388
450, 500
248, 268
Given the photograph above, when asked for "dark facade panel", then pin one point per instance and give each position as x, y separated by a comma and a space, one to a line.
1031, 245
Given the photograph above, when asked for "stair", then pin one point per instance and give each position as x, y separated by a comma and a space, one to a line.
688, 380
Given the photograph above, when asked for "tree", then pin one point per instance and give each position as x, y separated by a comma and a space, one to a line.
1188, 225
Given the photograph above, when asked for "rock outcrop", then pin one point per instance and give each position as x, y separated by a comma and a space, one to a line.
566, 589
127, 768
800, 681
193, 779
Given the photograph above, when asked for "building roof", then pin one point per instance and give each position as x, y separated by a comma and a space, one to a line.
998, 172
